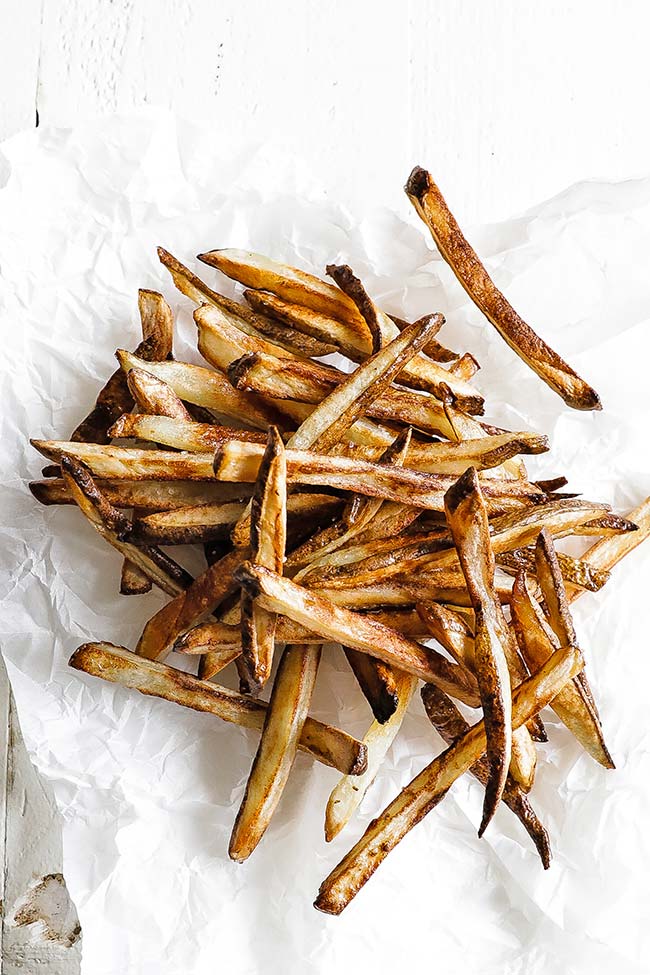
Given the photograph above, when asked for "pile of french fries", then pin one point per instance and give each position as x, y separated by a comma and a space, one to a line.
373, 509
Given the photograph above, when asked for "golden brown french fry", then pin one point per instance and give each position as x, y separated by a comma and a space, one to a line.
181, 434
116, 664
607, 524
572, 705
451, 725
208, 388
462, 259
339, 625
115, 397
285, 719
203, 596
133, 582
427, 789
608, 552
575, 571
419, 372
153, 395
192, 287
146, 495
261, 273
348, 794
115, 528
494, 653
132, 463
268, 536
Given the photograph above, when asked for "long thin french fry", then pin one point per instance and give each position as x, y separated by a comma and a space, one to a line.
462, 259
325, 743
146, 495
347, 795
608, 552
428, 788
285, 718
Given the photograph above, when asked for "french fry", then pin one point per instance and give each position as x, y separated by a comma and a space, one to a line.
419, 372
208, 388
428, 788
181, 434
116, 664
285, 718
451, 725
339, 625
146, 495
268, 536
462, 259
152, 395
115, 528
576, 571
347, 795
572, 705
256, 324
608, 552
377, 681
494, 654
133, 582
201, 598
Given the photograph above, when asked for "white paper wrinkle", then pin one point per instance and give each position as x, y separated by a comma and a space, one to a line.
148, 790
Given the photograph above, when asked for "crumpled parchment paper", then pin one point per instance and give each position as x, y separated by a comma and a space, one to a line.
148, 790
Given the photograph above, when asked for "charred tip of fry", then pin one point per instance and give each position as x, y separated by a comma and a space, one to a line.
238, 369
246, 576
209, 257
418, 183
466, 485
327, 907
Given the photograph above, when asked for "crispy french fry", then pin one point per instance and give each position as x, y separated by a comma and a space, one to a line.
351, 629
116, 664
462, 259
348, 794
256, 324
146, 495
208, 388
575, 571
285, 719
420, 372
572, 705
268, 536
115, 528
451, 725
181, 434
608, 552
133, 582
153, 395
494, 654
429, 787
201, 598
377, 681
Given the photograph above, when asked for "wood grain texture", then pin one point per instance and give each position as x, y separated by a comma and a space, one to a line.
39, 928
506, 103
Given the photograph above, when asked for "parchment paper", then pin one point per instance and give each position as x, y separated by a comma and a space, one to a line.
148, 790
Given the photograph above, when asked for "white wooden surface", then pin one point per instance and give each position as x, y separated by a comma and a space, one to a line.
507, 101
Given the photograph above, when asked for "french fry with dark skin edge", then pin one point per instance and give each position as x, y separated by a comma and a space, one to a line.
428, 788
208, 388
348, 794
575, 571
350, 400
115, 398
197, 291
462, 259
465, 368
608, 524
154, 396
181, 434
496, 662
285, 717
268, 537
133, 582
146, 495
377, 682
203, 596
451, 725
608, 552
210, 522
114, 527
339, 625
401, 593
572, 706
223, 636
454, 634
420, 372
327, 744
263, 274
551, 583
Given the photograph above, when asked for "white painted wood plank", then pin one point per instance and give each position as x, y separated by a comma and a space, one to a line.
20, 25
511, 102
39, 928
